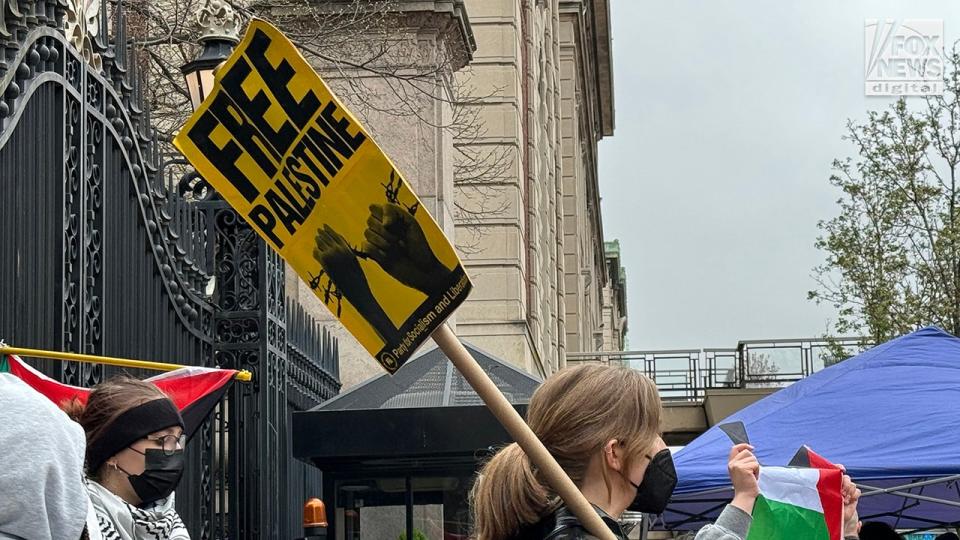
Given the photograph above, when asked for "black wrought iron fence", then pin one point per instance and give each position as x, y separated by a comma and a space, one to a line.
104, 253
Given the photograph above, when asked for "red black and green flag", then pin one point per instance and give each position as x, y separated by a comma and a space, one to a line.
799, 502
194, 390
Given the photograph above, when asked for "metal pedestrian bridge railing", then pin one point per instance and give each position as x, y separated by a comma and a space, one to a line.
686, 374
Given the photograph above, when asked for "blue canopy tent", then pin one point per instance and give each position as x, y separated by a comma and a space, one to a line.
891, 415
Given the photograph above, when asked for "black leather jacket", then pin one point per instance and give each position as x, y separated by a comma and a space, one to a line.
563, 525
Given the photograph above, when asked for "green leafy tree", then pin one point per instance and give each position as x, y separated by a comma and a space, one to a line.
893, 252
834, 351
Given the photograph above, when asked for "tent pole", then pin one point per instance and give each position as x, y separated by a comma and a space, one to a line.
907, 495
878, 490
705, 492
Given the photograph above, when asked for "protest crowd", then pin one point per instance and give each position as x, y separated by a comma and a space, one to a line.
108, 468
293, 177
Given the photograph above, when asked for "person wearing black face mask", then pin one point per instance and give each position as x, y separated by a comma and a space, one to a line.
659, 481
650, 481
601, 423
134, 459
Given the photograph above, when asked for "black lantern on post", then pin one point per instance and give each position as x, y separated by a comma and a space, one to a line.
219, 32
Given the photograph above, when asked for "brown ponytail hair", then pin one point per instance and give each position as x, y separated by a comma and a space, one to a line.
106, 402
574, 412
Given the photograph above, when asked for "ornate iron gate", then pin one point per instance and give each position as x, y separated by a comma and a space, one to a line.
98, 255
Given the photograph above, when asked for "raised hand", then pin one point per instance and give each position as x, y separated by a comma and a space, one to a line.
396, 242
851, 495
340, 263
744, 470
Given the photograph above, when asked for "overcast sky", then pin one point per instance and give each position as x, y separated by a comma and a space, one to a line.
728, 115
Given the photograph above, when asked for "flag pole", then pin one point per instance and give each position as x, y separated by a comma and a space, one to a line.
242, 375
520, 431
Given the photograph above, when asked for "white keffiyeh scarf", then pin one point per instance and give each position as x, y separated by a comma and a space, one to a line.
122, 521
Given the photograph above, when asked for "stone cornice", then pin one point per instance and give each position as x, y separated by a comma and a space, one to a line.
601, 32
596, 14
456, 10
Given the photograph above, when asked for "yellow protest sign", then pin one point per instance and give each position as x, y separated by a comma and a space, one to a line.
276, 143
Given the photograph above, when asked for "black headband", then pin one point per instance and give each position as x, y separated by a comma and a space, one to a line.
131, 426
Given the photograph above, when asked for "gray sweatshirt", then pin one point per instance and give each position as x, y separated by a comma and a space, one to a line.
42, 495
732, 524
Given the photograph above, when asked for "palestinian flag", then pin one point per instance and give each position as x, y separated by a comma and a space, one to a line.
805, 457
802, 502
194, 390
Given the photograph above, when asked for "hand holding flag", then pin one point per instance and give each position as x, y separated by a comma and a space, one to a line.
811, 499
851, 495
744, 470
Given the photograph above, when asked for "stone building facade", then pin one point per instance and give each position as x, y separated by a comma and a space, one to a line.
614, 300
540, 271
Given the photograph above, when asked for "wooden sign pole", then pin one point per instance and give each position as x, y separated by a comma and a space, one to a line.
520, 431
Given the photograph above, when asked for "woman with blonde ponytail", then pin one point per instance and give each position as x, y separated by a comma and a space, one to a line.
602, 424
